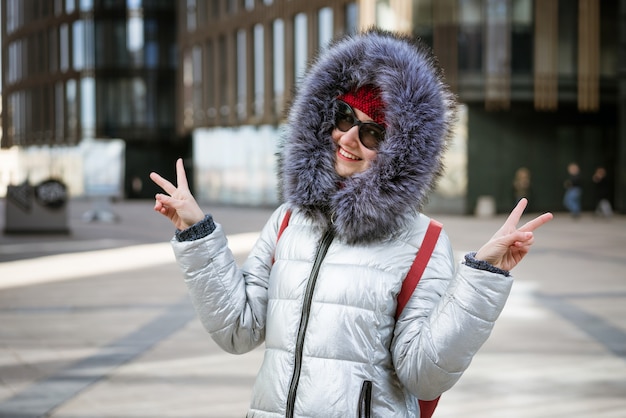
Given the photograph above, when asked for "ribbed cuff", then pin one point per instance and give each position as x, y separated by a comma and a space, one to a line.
196, 231
470, 261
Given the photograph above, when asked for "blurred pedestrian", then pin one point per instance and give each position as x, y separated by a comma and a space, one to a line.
573, 190
602, 191
521, 184
363, 146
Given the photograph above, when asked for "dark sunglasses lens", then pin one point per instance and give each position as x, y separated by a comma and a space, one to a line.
371, 135
344, 119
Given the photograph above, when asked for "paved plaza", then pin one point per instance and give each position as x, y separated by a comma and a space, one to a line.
97, 323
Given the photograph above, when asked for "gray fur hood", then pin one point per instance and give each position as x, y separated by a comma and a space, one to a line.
419, 113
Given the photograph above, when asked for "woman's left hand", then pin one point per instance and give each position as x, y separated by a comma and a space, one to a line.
509, 245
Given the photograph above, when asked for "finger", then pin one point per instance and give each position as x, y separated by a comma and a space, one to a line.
526, 243
537, 222
181, 176
167, 201
161, 208
516, 237
517, 212
168, 187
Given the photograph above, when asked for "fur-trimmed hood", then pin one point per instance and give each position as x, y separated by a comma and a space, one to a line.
419, 112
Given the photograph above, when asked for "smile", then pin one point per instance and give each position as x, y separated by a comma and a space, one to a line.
348, 155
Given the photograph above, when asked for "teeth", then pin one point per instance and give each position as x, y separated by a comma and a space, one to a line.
348, 155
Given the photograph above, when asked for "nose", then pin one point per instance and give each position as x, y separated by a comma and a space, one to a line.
351, 137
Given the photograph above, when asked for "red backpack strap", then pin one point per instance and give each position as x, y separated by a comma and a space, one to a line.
427, 408
283, 225
419, 265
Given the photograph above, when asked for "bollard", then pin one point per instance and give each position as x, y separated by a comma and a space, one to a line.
485, 207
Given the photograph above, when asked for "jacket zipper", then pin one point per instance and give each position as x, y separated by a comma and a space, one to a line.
365, 400
304, 319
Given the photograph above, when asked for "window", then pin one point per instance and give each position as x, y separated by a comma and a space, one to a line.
279, 64
259, 69
78, 45
59, 111
187, 72
568, 36
522, 37
71, 107
202, 13
15, 15
210, 81
384, 15
151, 48
242, 74
16, 112
222, 86
423, 20
58, 7
86, 5
135, 40
609, 38
352, 18
470, 35
138, 101
497, 49
325, 27
13, 68
53, 50
196, 74
191, 15
300, 44
88, 107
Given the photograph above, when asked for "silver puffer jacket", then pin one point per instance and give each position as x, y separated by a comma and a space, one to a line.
333, 347
325, 307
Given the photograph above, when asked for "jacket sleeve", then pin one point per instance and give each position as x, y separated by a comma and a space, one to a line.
448, 318
230, 301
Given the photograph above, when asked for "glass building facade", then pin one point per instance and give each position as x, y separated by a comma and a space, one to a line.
542, 83
85, 69
240, 60
539, 80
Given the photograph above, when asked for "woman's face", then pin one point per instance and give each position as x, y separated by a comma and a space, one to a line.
352, 156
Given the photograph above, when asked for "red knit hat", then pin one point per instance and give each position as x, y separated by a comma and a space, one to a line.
368, 100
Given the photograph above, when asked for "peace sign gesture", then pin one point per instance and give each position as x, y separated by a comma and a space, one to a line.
509, 245
178, 204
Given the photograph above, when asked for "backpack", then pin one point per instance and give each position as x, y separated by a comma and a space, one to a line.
427, 408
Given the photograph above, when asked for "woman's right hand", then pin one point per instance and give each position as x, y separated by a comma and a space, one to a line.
178, 204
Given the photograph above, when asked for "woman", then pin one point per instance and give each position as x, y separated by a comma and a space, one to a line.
363, 146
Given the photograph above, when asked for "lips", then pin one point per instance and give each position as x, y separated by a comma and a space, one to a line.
348, 155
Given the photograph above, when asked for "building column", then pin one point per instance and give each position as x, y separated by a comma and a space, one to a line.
269, 100
403, 12
367, 13
589, 55
445, 40
546, 55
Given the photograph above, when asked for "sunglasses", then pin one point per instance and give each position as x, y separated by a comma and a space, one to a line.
371, 134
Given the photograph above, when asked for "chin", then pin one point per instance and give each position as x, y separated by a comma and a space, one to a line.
344, 171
